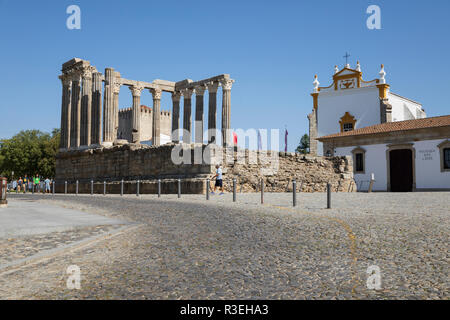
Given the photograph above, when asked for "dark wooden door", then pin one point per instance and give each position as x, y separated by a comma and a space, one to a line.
401, 167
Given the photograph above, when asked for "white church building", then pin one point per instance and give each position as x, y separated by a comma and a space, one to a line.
389, 136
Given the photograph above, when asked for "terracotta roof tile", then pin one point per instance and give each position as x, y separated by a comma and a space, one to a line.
432, 122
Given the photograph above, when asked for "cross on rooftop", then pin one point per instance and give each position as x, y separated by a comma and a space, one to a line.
346, 58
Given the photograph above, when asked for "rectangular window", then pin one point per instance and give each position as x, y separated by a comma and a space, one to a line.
348, 127
359, 157
447, 158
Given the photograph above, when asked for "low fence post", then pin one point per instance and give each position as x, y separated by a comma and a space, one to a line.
137, 187
159, 188
104, 188
76, 187
53, 187
207, 188
328, 195
262, 191
179, 188
65, 187
294, 193
234, 190
92, 187
121, 188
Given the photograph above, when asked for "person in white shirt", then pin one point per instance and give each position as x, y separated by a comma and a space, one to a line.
219, 181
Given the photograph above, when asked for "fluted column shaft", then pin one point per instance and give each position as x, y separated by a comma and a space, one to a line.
136, 114
116, 109
176, 116
65, 112
86, 109
199, 93
187, 115
226, 111
75, 117
96, 117
156, 125
108, 107
212, 112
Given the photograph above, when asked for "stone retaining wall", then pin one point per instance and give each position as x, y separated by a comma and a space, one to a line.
145, 163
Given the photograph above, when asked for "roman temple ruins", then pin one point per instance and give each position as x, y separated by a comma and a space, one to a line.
107, 150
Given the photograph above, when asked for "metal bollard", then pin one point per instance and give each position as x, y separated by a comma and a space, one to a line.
92, 187
53, 187
104, 188
121, 188
159, 188
328, 196
234, 190
65, 187
262, 191
76, 188
294, 193
207, 188
179, 188
32, 190
137, 188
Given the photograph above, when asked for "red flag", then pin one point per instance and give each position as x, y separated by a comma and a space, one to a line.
235, 138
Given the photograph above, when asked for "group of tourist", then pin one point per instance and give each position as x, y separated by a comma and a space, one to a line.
26, 184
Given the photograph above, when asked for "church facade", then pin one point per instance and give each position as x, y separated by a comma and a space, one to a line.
389, 136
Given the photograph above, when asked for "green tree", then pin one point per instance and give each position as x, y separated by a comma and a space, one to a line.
29, 152
303, 147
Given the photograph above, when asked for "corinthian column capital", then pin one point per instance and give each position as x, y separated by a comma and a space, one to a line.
213, 86
65, 79
200, 90
156, 93
187, 93
116, 88
136, 90
176, 96
226, 84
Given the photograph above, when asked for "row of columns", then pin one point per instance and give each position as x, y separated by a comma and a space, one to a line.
81, 111
81, 107
199, 112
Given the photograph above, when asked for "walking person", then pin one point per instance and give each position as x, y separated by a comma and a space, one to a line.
219, 180
25, 184
14, 185
37, 182
19, 185
47, 183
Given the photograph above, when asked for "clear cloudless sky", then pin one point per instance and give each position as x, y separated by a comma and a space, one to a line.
271, 48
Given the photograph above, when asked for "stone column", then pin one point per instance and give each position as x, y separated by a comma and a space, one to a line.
75, 116
65, 111
156, 121
212, 111
86, 107
176, 116
136, 114
187, 115
199, 92
116, 108
108, 108
96, 117
226, 109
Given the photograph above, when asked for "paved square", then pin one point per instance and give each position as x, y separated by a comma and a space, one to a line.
190, 248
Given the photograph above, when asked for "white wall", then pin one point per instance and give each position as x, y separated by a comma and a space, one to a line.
427, 165
375, 162
404, 109
362, 103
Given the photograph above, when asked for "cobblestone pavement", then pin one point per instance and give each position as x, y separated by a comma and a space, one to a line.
190, 248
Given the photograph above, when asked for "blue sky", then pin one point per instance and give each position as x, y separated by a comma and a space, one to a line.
272, 50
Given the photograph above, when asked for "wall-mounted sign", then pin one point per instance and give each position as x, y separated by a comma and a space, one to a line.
426, 155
